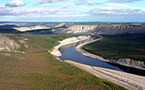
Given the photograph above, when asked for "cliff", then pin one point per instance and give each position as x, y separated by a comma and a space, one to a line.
112, 29
23, 29
7, 44
129, 62
123, 62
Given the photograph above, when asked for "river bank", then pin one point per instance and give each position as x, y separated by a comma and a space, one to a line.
125, 67
126, 50
130, 83
55, 51
79, 49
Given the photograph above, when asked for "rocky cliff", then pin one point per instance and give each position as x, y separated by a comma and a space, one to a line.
104, 29
120, 29
129, 62
125, 62
23, 29
7, 44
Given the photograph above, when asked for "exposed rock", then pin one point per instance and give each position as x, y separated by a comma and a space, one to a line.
81, 28
60, 25
24, 41
30, 28
7, 44
129, 62
120, 29
104, 29
125, 61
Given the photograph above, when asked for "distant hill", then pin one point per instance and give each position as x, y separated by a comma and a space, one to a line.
78, 28
8, 29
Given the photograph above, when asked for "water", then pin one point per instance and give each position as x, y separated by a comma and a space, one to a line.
69, 52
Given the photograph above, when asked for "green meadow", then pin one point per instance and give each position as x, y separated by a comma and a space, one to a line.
119, 46
36, 69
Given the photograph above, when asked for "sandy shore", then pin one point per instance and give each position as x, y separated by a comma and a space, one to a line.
129, 81
79, 49
55, 51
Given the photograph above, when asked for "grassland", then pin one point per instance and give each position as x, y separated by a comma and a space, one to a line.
119, 46
36, 69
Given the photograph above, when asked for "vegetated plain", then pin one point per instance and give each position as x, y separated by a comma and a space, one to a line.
36, 69
119, 46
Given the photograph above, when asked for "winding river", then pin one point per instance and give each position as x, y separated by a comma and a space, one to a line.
69, 52
102, 69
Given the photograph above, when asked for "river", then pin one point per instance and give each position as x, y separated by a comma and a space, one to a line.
69, 52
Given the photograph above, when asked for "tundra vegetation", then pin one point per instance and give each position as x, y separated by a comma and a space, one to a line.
119, 46
36, 69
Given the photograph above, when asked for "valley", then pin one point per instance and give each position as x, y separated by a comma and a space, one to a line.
35, 49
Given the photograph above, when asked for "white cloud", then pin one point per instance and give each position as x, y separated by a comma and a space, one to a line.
49, 1
15, 3
88, 2
63, 11
124, 1
26, 11
116, 11
2, 6
125, 6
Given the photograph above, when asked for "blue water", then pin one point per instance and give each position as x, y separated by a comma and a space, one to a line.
70, 53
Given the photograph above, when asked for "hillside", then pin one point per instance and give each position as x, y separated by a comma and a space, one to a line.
7, 44
122, 49
78, 28
112, 29
33, 68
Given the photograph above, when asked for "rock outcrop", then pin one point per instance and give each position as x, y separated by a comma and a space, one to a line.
23, 29
120, 29
112, 29
7, 44
129, 62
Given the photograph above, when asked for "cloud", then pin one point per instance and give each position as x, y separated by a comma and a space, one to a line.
88, 2
109, 10
15, 3
116, 11
125, 6
124, 1
8, 11
49, 1
26, 11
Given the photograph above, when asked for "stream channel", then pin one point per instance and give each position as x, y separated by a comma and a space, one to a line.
69, 52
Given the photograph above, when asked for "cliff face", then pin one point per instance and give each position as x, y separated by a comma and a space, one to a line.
81, 28
22, 29
104, 29
123, 61
120, 29
130, 62
7, 44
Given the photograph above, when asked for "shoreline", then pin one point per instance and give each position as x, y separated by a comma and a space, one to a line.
55, 51
127, 80
86, 53
79, 49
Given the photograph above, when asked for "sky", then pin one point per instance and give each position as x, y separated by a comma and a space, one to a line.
72, 10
